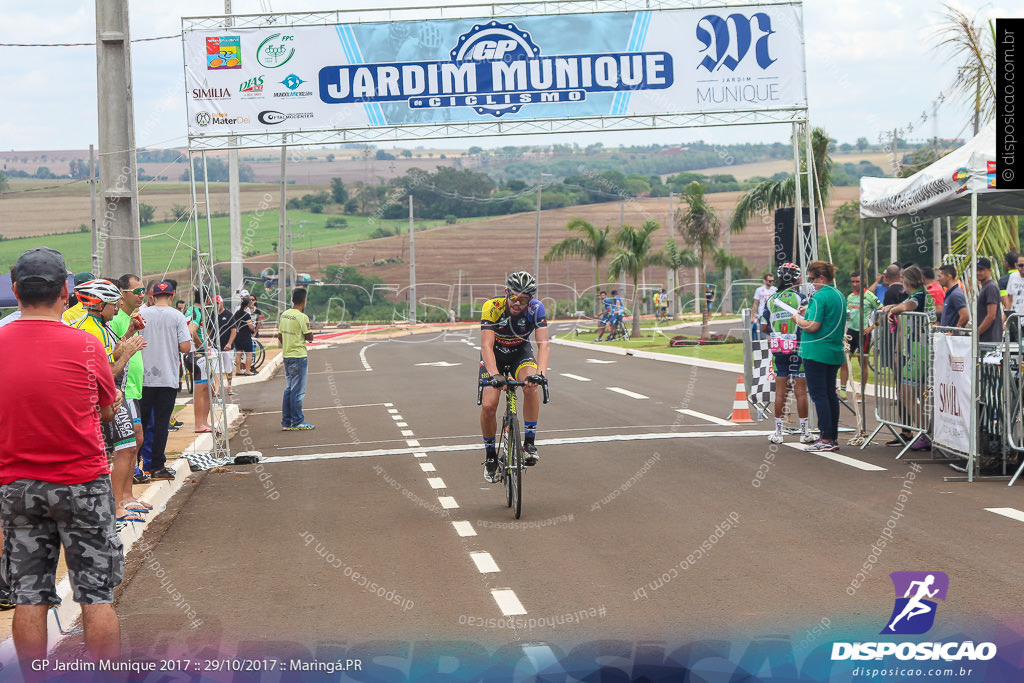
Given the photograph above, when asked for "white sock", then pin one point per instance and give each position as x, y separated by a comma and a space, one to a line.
803, 425
778, 425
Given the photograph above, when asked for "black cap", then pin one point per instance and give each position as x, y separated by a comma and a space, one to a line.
41, 263
984, 263
163, 287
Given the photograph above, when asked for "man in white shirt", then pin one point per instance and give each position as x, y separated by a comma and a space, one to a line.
761, 295
1015, 293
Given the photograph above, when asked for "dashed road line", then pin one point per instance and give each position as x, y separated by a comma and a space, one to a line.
362, 357
484, 562
464, 528
436, 483
447, 502
1012, 513
427, 466
408, 432
705, 416
507, 601
575, 377
627, 392
844, 459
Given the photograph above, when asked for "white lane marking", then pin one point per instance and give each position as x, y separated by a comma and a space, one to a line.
388, 405
600, 361
408, 432
575, 377
705, 416
440, 364
447, 502
477, 348
420, 455
845, 460
436, 483
1012, 513
307, 410
507, 601
416, 448
401, 424
393, 411
464, 528
485, 564
427, 466
362, 357
626, 392
412, 443
395, 416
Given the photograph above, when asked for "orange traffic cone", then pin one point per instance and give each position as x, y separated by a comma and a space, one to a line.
740, 407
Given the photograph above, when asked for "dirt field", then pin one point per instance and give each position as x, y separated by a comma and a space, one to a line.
485, 250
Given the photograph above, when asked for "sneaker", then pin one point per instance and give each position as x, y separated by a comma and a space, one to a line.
921, 444
816, 446
531, 455
304, 426
287, 429
5, 603
775, 438
807, 437
141, 477
163, 474
828, 446
172, 428
491, 475
177, 423
898, 442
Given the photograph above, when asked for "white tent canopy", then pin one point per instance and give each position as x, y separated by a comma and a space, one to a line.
945, 187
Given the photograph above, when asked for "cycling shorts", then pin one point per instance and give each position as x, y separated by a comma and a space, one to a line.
510, 362
119, 433
788, 365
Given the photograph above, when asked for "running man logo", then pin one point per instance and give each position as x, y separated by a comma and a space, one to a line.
729, 40
914, 612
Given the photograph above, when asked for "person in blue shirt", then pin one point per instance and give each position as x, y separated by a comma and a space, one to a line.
614, 309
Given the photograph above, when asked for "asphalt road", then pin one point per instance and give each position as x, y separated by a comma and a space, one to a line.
642, 527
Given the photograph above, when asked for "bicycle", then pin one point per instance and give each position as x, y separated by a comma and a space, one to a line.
510, 442
620, 331
259, 354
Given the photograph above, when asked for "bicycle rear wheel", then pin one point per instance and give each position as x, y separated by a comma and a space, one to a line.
259, 354
514, 472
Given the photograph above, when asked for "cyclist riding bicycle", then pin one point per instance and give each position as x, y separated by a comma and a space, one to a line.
506, 324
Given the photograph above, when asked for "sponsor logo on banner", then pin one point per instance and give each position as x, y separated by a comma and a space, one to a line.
736, 53
276, 50
204, 119
496, 69
990, 171
292, 82
211, 94
251, 88
961, 176
223, 52
913, 613
272, 118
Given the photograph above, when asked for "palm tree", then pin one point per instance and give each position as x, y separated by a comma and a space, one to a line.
593, 245
635, 252
773, 194
973, 48
676, 258
700, 227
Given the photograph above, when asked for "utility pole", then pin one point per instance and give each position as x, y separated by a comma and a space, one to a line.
936, 222
92, 201
536, 240
281, 237
119, 174
412, 265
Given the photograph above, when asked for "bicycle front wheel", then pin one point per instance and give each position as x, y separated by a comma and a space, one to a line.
503, 455
514, 469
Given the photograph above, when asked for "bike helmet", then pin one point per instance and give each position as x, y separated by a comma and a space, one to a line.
788, 275
96, 292
522, 282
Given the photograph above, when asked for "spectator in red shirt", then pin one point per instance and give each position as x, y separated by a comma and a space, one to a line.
53, 465
935, 290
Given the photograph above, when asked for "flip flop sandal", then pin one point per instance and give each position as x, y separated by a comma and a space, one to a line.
131, 517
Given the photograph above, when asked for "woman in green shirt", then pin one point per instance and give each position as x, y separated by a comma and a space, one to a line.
821, 348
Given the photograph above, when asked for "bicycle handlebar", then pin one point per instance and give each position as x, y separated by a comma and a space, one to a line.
512, 383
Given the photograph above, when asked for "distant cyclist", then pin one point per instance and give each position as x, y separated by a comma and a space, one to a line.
506, 324
783, 341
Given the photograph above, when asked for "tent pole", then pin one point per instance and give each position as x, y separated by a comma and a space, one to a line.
973, 308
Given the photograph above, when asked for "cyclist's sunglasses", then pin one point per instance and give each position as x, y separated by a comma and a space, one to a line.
523, 299
138, 291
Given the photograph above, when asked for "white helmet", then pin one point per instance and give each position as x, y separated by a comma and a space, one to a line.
96, 292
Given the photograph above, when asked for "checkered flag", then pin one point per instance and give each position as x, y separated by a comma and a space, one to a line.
762, 386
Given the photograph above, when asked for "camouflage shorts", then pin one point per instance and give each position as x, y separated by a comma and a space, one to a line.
37, 518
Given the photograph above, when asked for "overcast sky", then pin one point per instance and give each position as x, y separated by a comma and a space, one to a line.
871, 67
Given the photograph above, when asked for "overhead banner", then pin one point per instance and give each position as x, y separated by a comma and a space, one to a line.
325, 77
952, 402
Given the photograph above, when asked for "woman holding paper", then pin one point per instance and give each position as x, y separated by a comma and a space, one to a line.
783, 341
821, 348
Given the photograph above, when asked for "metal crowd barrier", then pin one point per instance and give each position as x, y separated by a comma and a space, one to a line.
1014, 391
903, 376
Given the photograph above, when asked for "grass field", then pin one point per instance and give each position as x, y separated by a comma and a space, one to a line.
165, 245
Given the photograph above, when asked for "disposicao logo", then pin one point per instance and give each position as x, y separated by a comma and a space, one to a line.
913, 613
496, 69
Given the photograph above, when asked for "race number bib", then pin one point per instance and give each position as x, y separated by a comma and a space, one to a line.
782, 345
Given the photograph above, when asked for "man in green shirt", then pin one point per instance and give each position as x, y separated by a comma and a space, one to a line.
293, 333
859, 324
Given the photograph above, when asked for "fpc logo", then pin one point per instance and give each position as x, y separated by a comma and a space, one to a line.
728, 40
914, 610
275, 50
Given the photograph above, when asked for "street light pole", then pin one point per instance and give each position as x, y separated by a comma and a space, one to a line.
536, 242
